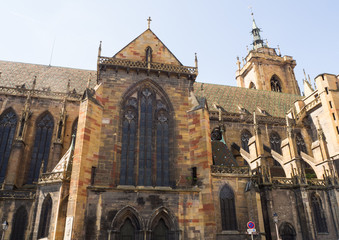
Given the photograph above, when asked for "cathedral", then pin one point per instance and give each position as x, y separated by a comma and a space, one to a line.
139, 150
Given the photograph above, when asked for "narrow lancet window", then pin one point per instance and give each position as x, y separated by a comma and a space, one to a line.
41, 148
8, 121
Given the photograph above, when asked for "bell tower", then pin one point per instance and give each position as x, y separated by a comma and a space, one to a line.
264, 69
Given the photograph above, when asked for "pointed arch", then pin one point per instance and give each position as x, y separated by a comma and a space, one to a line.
127, 223
275, 142
245, 137
45, 217
287, 231
75, 129
318, 213
252, 86
275, 84
8, 122
19, 224
44, 128
146, 122
148, 52
301, 146
163, 224
227, 208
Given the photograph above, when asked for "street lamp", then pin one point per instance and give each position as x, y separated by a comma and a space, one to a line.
4, 228
276, 220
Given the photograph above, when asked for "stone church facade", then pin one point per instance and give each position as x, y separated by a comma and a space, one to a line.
139, 150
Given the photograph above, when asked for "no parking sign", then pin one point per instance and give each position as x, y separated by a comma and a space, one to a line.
250, 225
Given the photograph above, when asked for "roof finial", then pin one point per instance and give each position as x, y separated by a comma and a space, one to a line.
89, 80
196, 60
99, 51
238, 63
305, 74
149, 22
279, 53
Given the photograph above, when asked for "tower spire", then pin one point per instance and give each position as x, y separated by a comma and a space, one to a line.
257, 40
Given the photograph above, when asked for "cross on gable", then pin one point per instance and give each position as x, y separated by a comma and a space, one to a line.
149, 22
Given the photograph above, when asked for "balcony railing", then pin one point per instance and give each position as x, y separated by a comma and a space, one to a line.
229, 170
54, 177
148, 66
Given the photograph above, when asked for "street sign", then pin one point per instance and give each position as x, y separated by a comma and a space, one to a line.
250, 225
251, 231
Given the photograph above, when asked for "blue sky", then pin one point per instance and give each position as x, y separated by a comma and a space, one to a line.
217, 30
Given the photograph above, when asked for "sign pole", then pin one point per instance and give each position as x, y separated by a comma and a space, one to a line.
252, 235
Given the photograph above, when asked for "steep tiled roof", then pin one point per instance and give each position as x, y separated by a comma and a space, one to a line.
55, 78
230, 98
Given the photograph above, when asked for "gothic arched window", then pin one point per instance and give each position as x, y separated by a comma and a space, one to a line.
252, 86
245, 137
8, 121
319, 214
75, 129
275, 84
227, 208
127, 230
275, 142
145, 126
148, 54
301, 146
42, 144
160, 231
19, 224
45, 217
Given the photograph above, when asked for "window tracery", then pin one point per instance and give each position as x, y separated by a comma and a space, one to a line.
8, 121
245, 137
145, 131
301, 146
42, 144
275, 142
275, 84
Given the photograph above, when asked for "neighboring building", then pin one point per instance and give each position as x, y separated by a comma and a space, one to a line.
156, 155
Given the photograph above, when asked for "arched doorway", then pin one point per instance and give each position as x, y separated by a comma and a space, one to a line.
19, 224
287, 231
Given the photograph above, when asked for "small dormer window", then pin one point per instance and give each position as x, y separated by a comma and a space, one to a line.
148, 54
275, 84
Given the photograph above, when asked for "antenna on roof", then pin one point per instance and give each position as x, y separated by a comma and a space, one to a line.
50, 60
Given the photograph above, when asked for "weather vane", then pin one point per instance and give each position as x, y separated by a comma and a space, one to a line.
149, 22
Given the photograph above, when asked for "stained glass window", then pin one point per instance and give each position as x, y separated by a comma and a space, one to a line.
8, 121
145, 139
42, 144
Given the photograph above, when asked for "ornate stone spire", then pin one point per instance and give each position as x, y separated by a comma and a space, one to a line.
257, 41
